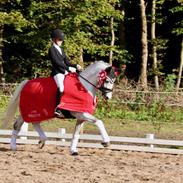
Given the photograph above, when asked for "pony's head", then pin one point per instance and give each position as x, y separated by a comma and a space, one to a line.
100, 75
106, 82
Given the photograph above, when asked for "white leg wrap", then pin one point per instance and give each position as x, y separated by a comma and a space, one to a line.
74, 143
102, 130
75, 138
13, 145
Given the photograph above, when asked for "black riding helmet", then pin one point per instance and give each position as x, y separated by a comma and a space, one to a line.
57, 34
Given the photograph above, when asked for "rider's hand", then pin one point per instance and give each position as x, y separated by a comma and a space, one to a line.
72, 69
79, 68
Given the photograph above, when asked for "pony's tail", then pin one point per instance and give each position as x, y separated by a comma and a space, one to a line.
13, 105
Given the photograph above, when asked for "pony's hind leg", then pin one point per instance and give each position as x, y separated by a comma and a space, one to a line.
75, 138
16, 129
41, 133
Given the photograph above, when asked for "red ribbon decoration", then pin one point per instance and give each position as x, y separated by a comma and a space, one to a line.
102, 76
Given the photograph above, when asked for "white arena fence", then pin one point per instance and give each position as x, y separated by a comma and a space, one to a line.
60, 138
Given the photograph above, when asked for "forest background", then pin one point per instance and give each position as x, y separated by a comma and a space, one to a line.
145, 36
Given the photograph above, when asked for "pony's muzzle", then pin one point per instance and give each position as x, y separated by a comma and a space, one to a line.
107, 96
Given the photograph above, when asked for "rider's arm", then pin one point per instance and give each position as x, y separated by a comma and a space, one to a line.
57, 61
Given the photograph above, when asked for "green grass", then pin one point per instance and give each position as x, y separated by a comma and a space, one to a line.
117, 127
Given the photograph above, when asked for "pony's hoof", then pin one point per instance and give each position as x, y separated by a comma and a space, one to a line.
74, 153
41, 144
13, 148
105, 144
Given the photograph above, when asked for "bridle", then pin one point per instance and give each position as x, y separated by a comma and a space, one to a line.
101, 87
104, 89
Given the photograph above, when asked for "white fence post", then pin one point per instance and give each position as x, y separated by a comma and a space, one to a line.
62, 131
24, 128
150, 136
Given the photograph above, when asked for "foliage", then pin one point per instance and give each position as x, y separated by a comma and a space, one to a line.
81, 22
168, 29
3, 101
26, 27
178, 27
143, 109
84, 30
170, 82
154, 112
14, 18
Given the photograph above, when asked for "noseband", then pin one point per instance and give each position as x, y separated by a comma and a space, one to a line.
105, 90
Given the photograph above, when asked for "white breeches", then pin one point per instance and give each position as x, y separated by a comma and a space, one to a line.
59, 79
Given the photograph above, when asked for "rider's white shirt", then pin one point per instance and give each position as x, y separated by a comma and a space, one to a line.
58, 48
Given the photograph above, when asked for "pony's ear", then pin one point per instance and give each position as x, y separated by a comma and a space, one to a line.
116, 64
108, 69
110, 72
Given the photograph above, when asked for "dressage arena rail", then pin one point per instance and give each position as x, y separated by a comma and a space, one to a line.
93, 141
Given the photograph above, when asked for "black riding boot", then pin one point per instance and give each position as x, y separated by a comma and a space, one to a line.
58, 112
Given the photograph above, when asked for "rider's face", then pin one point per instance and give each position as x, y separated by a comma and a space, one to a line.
58, 42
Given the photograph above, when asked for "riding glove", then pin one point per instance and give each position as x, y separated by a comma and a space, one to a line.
79, 68
72, 69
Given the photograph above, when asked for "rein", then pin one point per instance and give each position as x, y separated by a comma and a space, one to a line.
102, 89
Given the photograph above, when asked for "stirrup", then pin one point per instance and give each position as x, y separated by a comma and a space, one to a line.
58, 113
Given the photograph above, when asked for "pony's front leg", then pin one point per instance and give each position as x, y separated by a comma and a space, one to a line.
75, 138
103, 132
41, 133
92, 119
106, 140
16, 129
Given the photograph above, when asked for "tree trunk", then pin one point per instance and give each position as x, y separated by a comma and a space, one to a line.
143, 73
180, 68
122, 31
112, 40
153, 37
81, 58
2, 79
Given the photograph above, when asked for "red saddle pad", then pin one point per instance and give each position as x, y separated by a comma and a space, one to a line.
38, 98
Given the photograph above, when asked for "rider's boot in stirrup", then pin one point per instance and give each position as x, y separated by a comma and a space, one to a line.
58, 112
